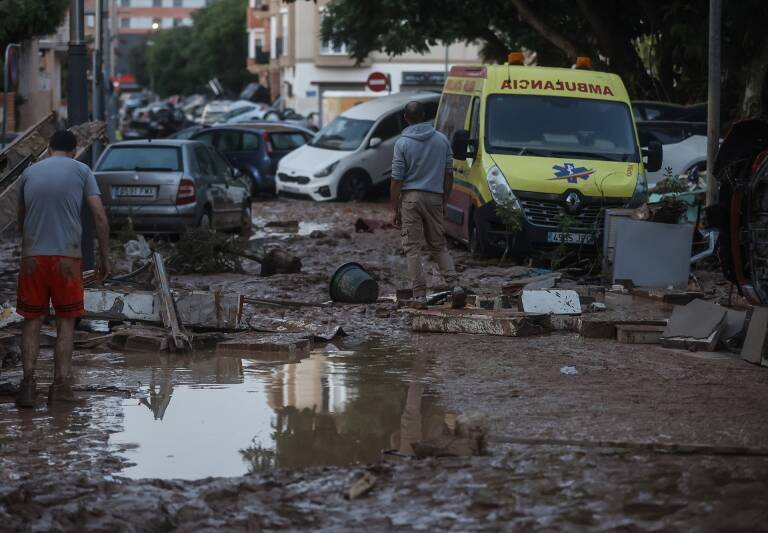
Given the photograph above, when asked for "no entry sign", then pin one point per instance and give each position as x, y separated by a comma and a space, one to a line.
377, 81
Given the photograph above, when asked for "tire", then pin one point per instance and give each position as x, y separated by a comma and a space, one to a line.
205, 220
354, 187
478, 243
246, 219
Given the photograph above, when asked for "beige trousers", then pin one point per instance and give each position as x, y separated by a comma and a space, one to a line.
422, 223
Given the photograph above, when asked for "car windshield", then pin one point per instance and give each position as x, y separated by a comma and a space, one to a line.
342, 134
556, 126
156, 158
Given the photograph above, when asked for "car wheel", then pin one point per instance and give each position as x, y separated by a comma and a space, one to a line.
246, 220
205, 220
354, 187
478, 243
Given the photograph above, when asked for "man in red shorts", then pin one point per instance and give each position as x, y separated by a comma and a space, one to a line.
51, 198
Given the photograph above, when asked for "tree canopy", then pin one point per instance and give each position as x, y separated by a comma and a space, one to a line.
659, 47
181, 60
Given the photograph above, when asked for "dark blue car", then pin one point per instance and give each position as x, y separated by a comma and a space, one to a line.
256, 149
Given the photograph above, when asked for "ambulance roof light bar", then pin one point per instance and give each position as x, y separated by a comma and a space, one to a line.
583, 62
515, 58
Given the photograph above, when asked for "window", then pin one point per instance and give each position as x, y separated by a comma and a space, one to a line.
177, 3
221, 168
388, 127
452, 114
157, 3
176, 22
557, 126
251, 141
284, 22
204, 163
228, 141
157, 158
206, 137
474, 123
125, 3
331, 47
125, 22
287, 141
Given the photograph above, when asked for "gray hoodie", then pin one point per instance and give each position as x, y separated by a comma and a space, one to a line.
422, 157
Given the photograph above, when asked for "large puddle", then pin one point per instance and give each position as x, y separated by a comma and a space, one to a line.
226, 416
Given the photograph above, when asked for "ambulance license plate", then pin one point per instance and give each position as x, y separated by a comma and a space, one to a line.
570, 238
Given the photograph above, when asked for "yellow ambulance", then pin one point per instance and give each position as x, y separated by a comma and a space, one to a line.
556, 145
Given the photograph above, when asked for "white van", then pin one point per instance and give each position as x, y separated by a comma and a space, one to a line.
351, 154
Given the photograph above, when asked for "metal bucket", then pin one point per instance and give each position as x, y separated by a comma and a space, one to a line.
351, 283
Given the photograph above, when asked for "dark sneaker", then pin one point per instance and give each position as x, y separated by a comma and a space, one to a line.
458, 298
27, 393
62, 393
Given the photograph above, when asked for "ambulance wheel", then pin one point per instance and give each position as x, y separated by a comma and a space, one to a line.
478, 243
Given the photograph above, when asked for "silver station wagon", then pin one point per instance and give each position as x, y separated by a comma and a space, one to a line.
165, 186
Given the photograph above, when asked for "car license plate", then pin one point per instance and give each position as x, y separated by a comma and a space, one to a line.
135, 192
570, 238
288, 188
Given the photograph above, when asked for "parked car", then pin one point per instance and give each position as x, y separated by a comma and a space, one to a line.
213, 110
166, 186
187, 133
256, 150
352, 154
241, 108
666, 111
683, 144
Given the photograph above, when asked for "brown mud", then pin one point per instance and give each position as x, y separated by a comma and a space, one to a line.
639, 438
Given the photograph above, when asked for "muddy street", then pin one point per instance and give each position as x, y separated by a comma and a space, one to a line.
578, 433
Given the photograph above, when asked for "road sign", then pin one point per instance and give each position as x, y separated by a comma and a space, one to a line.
377, 81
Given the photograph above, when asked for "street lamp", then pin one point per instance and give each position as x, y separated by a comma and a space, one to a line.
155, 26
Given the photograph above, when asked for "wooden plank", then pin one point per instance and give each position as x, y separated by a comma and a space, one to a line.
477, 322
167, 305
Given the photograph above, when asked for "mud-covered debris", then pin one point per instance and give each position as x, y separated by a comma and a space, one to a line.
551, 301
696, 326
755, 348
284, 226
362, 486
463, 435
249, 344
363, 225
479, 322
318, 234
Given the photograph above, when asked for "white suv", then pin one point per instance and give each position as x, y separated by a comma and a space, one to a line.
351, 154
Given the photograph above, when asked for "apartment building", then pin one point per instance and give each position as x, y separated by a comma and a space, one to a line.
135, 19
288, 54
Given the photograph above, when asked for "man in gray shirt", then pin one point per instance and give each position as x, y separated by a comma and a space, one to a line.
50, 201
422, 179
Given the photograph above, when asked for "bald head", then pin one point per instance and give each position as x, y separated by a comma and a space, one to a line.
414, 113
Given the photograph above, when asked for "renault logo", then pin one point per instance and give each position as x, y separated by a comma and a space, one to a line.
573, 202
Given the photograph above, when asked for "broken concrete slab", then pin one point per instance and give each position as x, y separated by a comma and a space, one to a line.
697, 320
544, 281
755, 348
214, 310
551, 301
479, 322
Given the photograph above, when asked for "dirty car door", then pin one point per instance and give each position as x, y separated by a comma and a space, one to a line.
212, 193
231, 196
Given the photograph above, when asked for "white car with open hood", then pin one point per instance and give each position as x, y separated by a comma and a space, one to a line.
353, 153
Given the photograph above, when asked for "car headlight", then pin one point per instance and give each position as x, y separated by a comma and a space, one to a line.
499, 187
327, 171
640, 196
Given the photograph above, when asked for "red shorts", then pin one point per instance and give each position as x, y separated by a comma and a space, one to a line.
50, 277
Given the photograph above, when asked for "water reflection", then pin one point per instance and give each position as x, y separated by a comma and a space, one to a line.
223, 416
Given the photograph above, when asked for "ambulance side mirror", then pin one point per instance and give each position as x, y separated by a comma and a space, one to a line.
460, 145
654, 155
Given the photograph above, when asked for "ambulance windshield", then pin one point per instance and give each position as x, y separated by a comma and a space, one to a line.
557, 126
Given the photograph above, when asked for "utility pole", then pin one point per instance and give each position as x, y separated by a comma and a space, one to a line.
77, 109
98, 73
713, 96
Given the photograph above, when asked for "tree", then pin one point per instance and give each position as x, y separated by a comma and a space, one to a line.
182, 60
658, 47
23, 19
